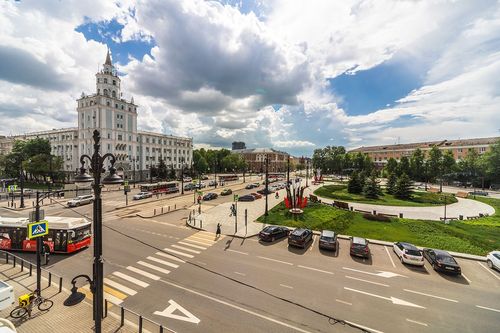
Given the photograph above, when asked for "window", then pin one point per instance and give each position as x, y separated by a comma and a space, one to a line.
114, 82
120, 137
122, 107
109, 146
108, 104
109, 135
105, 80
116, 105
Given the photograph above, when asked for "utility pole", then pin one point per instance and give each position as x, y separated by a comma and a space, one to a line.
267, 185
133, 161
22, 187
288, 170
307, 172
39, 244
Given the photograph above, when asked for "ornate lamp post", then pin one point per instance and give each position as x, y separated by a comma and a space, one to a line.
267, 184
96, 283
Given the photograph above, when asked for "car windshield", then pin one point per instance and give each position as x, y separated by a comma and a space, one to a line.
326, 239
413, 252
446, 260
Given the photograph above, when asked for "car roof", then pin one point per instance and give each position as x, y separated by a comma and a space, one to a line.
359, 240
299, 231
494, 252
327, 233
442, 253
408, 246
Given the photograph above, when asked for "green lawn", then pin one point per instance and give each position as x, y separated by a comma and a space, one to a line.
419, 199
475, 237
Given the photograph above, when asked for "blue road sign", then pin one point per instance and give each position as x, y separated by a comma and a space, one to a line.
38, 229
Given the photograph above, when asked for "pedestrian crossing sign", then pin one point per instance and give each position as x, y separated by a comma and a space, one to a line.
38, 229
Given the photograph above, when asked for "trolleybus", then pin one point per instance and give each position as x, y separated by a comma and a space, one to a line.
161, 187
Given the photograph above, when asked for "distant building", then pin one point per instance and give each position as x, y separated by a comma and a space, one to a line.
255, 159
238, 145
459, 148
116, 120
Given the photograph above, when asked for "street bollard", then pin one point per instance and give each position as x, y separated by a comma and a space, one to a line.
460, 217
352, 208
162, 209
400, 215
105, 308
140, 324
31, 269
122, 316
169, 208
14, 262
175, 206
374, 212
22, 265
201, 224
50, 279
154, 212
60, 284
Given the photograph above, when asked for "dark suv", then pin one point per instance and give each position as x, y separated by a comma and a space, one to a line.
271, 233
300, 237
328, 240
359, 247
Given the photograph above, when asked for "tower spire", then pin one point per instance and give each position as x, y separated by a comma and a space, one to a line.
108, 59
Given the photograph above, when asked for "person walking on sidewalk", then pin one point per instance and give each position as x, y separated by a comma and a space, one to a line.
218, 231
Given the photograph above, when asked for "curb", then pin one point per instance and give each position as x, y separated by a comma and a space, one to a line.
164, 213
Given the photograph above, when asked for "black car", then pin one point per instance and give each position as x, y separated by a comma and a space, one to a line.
359, 247
249, 186
300, 237
328, 240
210, 196
442, 261
247, 197
271, 233
263, 191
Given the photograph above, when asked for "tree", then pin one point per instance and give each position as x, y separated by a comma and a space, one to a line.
448, 166
354, 186
371, 189
172, 172
403, 187
492, 163
417, 165
391, 166
162, 169
390, 187
404, 166
435, 163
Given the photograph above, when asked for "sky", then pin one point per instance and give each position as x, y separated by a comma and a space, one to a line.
291, 75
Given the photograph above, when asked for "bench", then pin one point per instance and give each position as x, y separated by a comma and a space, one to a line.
448, 218
341, 204
464, 195
388, 215
472, 217
362, 211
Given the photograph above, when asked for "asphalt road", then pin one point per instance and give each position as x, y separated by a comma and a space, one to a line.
191, 282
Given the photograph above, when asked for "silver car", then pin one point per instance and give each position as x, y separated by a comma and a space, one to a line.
493, 259
81, 200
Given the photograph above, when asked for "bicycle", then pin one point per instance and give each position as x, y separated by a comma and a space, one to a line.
27, 302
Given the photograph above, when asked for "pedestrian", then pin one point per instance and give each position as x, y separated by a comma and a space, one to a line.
277, 195
218, 232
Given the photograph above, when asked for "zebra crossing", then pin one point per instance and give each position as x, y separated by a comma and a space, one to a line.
129, 281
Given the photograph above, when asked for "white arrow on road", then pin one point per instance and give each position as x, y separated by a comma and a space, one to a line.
394, 300
379, 274
169, 312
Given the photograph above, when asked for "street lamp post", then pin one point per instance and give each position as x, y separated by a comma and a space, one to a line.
288, 170
133, 161
307, 173
96, 283
39, 243
22, 187
267, 184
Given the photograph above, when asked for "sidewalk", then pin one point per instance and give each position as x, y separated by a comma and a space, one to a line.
59, 318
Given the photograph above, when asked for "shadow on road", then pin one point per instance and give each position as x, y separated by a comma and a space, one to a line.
364, 261
298, 250
416, 269
454, 278
272, 243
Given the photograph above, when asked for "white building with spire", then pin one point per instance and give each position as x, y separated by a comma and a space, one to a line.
116, 119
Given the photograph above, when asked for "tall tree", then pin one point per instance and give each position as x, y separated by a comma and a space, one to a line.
404, 166
390, 187
492, 163
354, 186
435, 163
404, 188
372, 189
417, 165
391, 166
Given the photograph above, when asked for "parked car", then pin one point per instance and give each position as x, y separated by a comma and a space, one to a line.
81, 200
493, 259
256, 195
200, 185
272, 233
359, 247
210, 196
249, 186
212, 182
479, 193
187, 180
328, 240
204, 177
263, 191
256, 184
300, 237
442, 261
226, 191
408, 253
142, 195
247, 197
189, 187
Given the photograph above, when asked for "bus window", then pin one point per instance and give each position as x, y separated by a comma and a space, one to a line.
80, 234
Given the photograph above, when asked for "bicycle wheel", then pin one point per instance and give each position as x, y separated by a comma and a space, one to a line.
18, 312
45, 305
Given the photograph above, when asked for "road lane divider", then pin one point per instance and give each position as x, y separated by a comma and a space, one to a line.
275, 260
390, 258
165, 255
343, 302
163, 262
486, 308
153, 267
466, 278
394, 300
316, 269
192, 245
312, 245
286, 286
384, 274
131, 279
244, 253
367, 281
185, 249
416, 322
428, 295
488, 270
120, 287
143, 273
242, 274
178, 252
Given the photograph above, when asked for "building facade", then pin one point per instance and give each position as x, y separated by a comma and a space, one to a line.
116, 120
460, 148
256, 159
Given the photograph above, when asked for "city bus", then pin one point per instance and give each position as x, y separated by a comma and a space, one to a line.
66, 234
161, 187
227, 178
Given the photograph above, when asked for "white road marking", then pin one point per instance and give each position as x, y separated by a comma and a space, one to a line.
160, 261
192, 245
237, 252
466, 278
416, 322
315, 269
275, 260
390, 258
153, 267
197, 241
483, 307
143, 273
242, 274
169, 312
380, 274
378, 284
113, 299
120, 287
131, 279
169, 256
343, 302
312, 245
285, 286
178, 252
238, 307
417, 292
364, 327
488, 270
185, 249
394, 300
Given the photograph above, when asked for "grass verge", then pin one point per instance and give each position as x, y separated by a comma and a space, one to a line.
419, 199
474, 237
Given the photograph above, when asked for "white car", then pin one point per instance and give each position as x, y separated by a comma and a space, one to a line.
493, 259
142, 195
81, 200
408, 253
